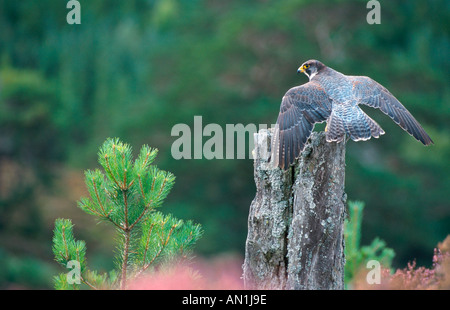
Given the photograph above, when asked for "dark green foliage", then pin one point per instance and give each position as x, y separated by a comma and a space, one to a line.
29, 144
133, 69
24, 271
127, 196
357, 256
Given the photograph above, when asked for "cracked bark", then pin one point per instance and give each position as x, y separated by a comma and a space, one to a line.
295, 225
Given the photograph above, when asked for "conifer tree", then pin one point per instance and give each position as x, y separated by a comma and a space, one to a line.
125, 195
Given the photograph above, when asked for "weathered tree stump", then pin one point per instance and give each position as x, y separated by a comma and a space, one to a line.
295, 225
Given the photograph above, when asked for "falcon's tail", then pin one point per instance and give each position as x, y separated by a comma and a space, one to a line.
359, 127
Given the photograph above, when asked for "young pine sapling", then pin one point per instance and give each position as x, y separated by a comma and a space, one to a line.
357, 256
126, 195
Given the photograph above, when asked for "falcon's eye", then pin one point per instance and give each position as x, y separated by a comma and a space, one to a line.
306, 66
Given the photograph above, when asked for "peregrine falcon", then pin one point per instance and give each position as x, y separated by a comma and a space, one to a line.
335, 98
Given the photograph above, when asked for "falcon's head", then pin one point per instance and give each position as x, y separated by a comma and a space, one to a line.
311, 68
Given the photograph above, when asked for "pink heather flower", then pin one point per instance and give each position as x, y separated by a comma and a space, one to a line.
222, 273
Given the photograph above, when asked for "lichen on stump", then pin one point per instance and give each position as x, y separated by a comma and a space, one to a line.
295, 224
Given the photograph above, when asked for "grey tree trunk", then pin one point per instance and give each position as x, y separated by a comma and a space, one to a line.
295, 225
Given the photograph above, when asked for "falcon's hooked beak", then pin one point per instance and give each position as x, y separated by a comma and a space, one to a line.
306, 69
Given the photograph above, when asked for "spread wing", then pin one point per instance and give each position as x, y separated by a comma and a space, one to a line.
301, 107
371, 93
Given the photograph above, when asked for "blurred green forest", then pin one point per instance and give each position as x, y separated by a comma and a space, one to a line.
133, 69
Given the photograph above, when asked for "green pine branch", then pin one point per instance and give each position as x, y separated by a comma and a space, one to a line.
357, 256
126, 194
